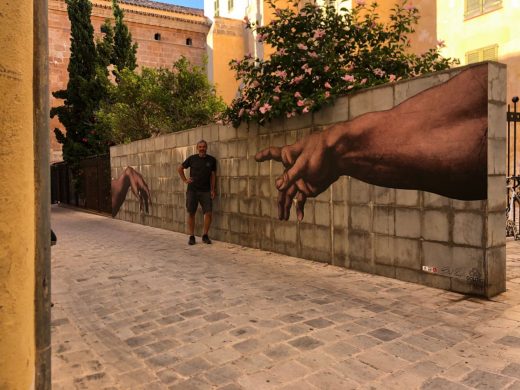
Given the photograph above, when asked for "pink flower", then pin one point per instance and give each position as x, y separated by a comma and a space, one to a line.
305, 66
246, 19
84, 140
305, 110
391, 78
296, 80
261, 37
255, 84
313, 54
276, 98
241, 112
350, 87
277, 89
301, 46
300, 103
327, 94
409, 7
327, 85
318, 33
278, 11
326, 68
348, 78
441, 43
266, 107
308, 70
290, 114
281, 52
379, 72
297, 95
363, 81
360, 2
281, 73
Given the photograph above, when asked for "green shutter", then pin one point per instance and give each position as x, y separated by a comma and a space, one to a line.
217, 8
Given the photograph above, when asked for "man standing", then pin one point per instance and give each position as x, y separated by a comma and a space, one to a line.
201, 188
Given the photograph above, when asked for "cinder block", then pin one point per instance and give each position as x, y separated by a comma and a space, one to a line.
298, 122
407, 197
226, 133
322, 213
407, 223
407, 253
431, 200
339, 189
384, 195
384, 220
497, 197
335, 113
436, 225
468, 204
376, 99
360, 218
465, 260
406, 89
339, 215
243, 130
496, 271
496, 156
340, 247
468, 228
360, 246
284, 232
496, 232
384, 249
359, 191
437, 255
497, 82
497, 124
385, 270
194, 135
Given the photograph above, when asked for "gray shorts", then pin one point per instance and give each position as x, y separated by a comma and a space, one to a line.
193, 198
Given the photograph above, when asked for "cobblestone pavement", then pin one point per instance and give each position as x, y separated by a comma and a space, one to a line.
137, 308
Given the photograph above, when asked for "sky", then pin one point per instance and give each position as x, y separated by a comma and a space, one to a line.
186, 3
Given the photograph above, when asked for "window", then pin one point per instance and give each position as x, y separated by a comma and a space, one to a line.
478, 7
189, 42
230, 5
488, 53
217, 8
157, 36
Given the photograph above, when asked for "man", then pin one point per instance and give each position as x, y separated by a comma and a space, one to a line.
201, 188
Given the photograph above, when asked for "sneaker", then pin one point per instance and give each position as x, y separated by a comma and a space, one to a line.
191, 241
206, 239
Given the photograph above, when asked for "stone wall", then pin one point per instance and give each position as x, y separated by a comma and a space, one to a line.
405, 234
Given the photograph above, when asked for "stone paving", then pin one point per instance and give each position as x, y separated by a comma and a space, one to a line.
137, 308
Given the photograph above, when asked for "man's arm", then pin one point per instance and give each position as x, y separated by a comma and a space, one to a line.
435, 141
180, 169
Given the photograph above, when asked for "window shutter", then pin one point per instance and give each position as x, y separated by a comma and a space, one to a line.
217, 8
490, 53
472, 57
488, 4
473, 7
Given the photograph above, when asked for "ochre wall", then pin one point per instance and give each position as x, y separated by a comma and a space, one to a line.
143, 23
17, 227
228, 44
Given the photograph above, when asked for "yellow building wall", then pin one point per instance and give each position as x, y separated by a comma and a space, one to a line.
496, 27
17, 200
229, 43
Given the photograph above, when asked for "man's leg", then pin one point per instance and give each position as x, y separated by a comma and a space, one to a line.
191, 224
207, 222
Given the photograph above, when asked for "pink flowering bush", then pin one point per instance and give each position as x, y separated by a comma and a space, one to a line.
320, 54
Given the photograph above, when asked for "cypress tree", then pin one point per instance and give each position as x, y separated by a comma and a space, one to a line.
124, 49
86, 88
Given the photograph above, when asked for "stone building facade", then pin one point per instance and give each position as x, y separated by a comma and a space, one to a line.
163, 32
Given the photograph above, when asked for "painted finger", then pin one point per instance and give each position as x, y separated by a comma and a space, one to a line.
272, 153
300, 204
291, 175
289, 195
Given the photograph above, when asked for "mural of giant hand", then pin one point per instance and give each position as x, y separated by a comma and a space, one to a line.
132, 179
435, 141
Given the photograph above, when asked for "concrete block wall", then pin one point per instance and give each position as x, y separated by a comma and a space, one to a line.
405, 234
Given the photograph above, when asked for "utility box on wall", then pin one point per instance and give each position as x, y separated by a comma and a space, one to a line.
447, 232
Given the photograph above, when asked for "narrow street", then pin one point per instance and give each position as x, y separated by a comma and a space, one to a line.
137, 308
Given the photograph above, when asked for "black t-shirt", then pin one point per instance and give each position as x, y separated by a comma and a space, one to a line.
200, 171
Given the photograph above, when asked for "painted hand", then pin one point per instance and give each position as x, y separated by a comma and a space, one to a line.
310, 169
